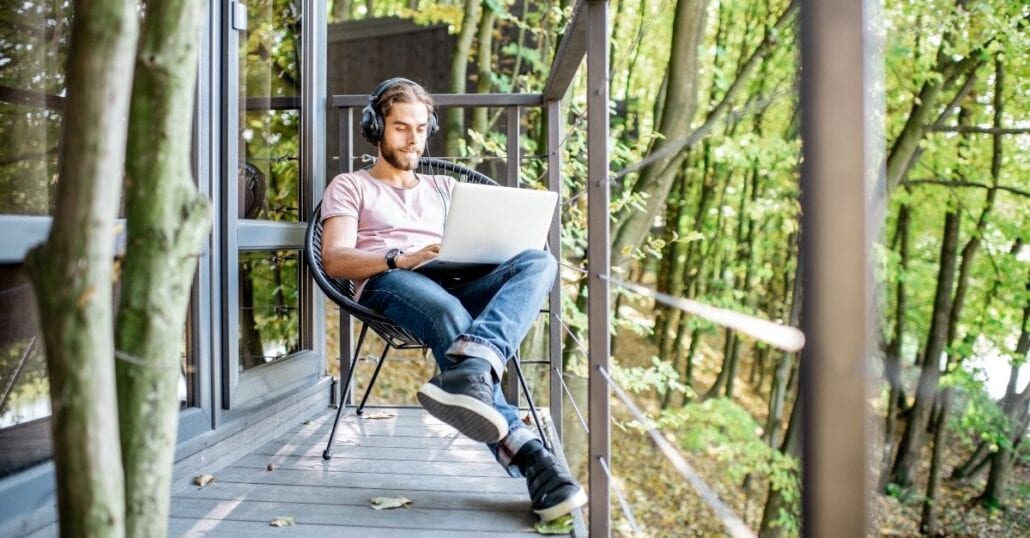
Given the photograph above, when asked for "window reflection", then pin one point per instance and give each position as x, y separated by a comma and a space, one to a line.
33, 45
269, 306
270, 112
25, 396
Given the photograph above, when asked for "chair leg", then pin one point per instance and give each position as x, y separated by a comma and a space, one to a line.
372, 382
532, 405
327, 454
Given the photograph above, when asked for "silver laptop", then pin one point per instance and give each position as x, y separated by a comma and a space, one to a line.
487, 225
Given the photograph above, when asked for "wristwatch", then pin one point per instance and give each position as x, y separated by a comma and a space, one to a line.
391, 257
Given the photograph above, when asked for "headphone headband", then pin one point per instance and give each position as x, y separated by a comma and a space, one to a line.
372, 120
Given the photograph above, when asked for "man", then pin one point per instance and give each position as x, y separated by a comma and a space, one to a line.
378, 224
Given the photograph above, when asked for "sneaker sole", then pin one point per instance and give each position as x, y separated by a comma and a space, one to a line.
473, 418
565, 507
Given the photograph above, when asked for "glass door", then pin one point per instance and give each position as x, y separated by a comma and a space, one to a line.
270, 317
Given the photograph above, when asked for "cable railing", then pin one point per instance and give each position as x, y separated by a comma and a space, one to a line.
832, 492
733, 524
783, 337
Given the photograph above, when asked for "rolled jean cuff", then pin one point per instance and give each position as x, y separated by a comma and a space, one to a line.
473, 346
518, 435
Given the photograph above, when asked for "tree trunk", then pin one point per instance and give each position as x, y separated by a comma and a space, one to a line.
745, 250
926, 389
655, 179
892, 357
72, 271
778, 391
678, 110
974, 464
459, 74
1015, 406
341, 10
928, 522
776, 501
167, 222
252, 349
484, 66
670, 274
718, 266
900, 158
928, 518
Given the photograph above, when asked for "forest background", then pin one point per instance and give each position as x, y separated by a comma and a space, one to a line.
716, 220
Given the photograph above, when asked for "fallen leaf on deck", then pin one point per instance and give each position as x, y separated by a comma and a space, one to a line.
382, 503
203, 479
562, 525
378, 415
282, 521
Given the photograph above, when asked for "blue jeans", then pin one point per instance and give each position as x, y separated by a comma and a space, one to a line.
486, 317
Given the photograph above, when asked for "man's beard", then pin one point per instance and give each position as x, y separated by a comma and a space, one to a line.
399, 160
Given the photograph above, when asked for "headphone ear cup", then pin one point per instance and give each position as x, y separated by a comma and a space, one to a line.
370, 128
434, 123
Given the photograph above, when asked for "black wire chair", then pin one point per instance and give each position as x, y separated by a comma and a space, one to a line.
341, 291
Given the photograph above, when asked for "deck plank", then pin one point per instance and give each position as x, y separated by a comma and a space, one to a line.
343, 462
456, 486
216, 528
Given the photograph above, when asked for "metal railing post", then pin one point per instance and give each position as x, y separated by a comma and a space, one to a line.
835, 243
346, 128
511, 179
599, 260
554, 339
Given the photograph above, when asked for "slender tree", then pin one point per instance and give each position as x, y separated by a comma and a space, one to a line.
167, 220
1016, 405
678, 111
72, 270
459, 73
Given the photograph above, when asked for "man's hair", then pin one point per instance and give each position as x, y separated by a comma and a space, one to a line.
404, 92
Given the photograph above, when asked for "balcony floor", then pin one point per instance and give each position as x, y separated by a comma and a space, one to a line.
454, 483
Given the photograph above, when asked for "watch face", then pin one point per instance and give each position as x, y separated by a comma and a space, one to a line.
391, 258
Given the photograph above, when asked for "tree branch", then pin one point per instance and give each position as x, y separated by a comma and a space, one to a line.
953, 183
978, 129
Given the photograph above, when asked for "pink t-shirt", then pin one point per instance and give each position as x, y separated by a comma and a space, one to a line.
390, 217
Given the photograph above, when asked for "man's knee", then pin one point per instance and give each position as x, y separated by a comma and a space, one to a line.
538, 261
451, 316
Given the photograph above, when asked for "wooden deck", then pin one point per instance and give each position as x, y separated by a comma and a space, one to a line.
455, 485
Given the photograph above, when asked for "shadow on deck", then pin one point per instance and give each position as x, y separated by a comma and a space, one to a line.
455, 486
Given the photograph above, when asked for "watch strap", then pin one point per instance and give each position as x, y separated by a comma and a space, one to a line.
391, 258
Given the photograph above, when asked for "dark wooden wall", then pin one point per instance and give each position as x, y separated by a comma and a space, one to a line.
363, 53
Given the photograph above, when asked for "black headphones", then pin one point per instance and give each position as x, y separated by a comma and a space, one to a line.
372, 120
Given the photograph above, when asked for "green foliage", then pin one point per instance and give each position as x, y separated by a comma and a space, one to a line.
721, 429
981, 418
660, 376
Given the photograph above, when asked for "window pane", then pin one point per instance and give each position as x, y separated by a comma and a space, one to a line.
33, 43
269, 306
25, 403
270, 112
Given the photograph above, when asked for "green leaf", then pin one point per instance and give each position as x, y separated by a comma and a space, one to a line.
562, 525
203, 479
383, 503
283, 521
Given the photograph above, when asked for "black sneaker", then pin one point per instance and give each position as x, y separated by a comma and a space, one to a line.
552, 489
463, 398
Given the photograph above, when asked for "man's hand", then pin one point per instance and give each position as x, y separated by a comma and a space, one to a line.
411, 260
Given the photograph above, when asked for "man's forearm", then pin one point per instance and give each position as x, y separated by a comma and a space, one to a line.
354, 264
